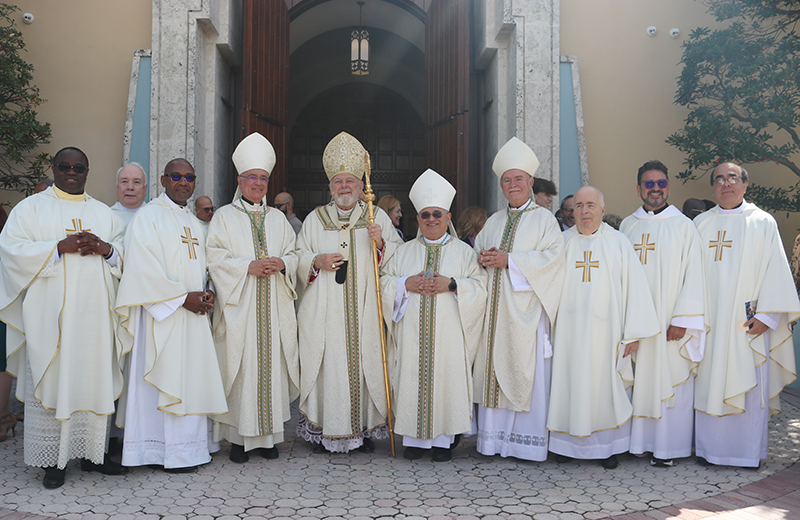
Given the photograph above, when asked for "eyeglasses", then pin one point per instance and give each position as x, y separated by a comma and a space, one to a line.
662, 183
77, 168
721, 181
254, 178
209, 209
567, 210
425, 215
176, 177
282, 204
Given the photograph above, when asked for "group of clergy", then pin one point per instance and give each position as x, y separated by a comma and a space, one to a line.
664, 337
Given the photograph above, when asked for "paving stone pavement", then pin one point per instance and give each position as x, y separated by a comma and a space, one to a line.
300, 484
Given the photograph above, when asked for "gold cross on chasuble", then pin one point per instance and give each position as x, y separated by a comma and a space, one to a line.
190, 242
76, 227
587, 265
720, 244
644, 247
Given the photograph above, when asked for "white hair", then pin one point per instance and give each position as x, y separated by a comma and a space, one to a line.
135, 165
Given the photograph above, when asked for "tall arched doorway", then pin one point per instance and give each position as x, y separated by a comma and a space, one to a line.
384, 122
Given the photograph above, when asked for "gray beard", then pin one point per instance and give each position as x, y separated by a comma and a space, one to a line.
345, 200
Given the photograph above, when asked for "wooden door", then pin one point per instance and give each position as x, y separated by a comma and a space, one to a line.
265, 81
447, 77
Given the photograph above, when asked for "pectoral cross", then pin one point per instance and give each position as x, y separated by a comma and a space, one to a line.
76, 227
720, 244
587, 265
190, 242
644, 247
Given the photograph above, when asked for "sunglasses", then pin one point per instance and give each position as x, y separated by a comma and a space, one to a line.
662, 183
425, 215
77, 168
176, 177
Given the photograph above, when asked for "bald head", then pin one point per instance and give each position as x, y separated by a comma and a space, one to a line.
693, 207
590, 206
285, 203
204, 208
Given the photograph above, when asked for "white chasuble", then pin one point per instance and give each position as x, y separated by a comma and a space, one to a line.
255, 327
506, 361
342, 396
605, 304
668, 248
745, 267
60, 311
435, 341
168, 260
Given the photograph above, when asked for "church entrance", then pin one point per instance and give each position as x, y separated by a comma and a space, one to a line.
411, 112
386, 125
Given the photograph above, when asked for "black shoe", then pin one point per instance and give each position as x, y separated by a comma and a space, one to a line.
187, 469
320, 448
412, 453
610, 463
269, 453
238, 455
441, 454
456, 441
108, 467
53, 477
703, 462
563, 458
367, 446
661, 463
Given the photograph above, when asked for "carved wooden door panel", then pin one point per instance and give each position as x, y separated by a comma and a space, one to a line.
265, 81
447, 78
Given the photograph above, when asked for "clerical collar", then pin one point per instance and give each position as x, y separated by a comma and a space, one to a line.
174, 205
344, 212
245, 199
439, 240
656, 211
61, 194
733, 211
520, 208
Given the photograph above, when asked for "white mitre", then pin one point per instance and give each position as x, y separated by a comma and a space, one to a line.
344, 154
515, 155
431, 190
254, 152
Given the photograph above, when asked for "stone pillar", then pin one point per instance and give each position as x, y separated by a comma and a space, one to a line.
195, 45
517, 47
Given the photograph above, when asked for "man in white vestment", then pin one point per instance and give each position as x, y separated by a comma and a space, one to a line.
522, 248
663, 391
131, 189
61, 252
434, 296
749, 355
250, 251
605, 309
342, 392
173, 374
204, 210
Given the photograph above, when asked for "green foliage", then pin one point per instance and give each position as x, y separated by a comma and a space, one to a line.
741, 84
20, 132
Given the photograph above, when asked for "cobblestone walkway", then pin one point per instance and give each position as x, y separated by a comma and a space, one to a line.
301, 484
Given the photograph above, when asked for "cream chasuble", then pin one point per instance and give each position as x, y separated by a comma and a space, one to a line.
436, 340
744, 263
342, 396
669, 249
60, 313
605, 304
255, 327
506, 359
167, 261
61, 342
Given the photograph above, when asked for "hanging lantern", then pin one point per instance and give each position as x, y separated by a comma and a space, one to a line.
359, 48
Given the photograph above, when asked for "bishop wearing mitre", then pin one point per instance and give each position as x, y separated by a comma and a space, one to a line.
250, 251
434, 296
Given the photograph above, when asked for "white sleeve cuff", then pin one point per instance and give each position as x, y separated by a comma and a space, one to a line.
400, 299
518, 281
162, 310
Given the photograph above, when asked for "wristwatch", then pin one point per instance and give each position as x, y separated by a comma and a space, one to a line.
453, 285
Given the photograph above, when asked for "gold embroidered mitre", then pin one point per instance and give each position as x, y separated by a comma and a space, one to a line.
344, 154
